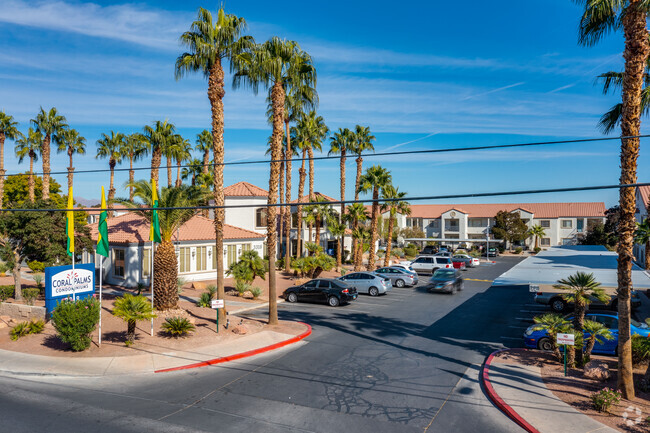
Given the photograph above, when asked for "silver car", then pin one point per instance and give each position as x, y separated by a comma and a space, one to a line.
400, 277
366, 282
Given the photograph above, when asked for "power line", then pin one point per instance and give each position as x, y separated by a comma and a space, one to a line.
364, 155
335, 202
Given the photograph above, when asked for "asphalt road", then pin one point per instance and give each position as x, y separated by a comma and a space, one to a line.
404, 362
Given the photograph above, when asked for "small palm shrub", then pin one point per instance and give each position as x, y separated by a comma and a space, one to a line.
242, 287
398, 252
20, 330
212, 290
75, 321
178, 326
605, 398
6, 292
38, 279
256, 292
30, 294
640, 349
519, 250
131, 309
204, 300
36, 326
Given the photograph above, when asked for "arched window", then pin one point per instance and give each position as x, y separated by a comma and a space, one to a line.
260, 217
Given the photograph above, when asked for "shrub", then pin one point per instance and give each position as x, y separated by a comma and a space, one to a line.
344, 271
178, 326
640, 349
204, 300
131, 309
20, 330
180, 282
3, 268
38, 279
411, 250
256, 292
30, 294
36, 326
241, 288
381, 253
518, 250
6, 292
36, 266
537, 250
604, 399
212, 290
398, 252
74, 321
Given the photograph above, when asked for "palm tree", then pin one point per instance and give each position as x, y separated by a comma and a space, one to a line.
596, 331
158, 136
8, 129
209, 43
552, 324
538, 232
204, 145
340, 144
194, 170
276, 64
132, 309
71, 142
362, 142
375, 179
182, 153
51, 125
642, 236
30, 146
165, 263
169, 151
134, 147
337, 229
356, 213
598, 19
581, 287
109, 147
317, 213
394, 206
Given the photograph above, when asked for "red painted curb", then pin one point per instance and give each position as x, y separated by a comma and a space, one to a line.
498, 401
241, 355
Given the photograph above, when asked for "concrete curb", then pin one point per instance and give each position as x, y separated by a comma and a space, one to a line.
241, 355
498, 401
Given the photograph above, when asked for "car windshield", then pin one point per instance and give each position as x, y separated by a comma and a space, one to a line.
638, 324
443, 273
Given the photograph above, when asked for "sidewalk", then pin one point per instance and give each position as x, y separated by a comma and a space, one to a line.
151, 360
521, 394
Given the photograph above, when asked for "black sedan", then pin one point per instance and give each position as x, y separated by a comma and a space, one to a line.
446, 280
333, 292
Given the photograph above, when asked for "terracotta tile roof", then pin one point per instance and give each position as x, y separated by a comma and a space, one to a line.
244, 189
539, 210
305, 199
644, 192
134, 229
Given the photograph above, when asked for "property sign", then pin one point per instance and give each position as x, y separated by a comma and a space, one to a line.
568, 339
218, 303
63, 282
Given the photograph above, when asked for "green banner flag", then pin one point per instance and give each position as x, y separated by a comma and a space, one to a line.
102, 237
154, 232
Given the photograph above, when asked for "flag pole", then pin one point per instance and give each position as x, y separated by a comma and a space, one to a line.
101, 272
152, 268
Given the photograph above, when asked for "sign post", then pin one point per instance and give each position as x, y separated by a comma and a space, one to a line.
217, 304
566, 340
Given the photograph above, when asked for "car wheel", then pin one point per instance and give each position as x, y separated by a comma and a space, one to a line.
292, 297
461, 286
333, 301
558, 305
545, 344
399, 283
373, 291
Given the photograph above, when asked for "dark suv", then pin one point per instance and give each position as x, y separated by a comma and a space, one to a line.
429, 249
333, 292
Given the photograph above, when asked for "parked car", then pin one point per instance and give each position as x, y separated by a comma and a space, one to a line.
429, 264
399, 277
443, 254
446, 280
405, 265
540, 340
367, 282
491, 252
333, 292
558, 304
429, 249
470, 261
459, 264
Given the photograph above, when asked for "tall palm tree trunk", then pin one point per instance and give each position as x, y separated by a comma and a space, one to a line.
280, 199
287, 212
579, 324
111, 189
169, 172
317, 229
359, 161
156, 157
302, 174
356, 247
178, 174
339, 252
277, 101
216, 92
389, 246
206, 161
166, 272
311, 182
131, 177
635, 54
45, 151
30, 179
647, 256
70, 169
373, 229
2, 167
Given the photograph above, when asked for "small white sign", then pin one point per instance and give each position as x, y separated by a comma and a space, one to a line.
568, 339
218, 303
533, 288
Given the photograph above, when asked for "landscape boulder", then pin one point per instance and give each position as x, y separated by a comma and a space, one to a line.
597, 370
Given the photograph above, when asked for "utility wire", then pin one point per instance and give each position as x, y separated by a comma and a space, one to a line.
364, 155
335, 202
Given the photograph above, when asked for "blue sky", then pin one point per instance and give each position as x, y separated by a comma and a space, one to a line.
421, 74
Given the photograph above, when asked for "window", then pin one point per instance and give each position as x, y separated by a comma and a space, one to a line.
610, 322
245, 247
443, 260
118, 262
294, 220
184, 260
201, 258
567, 224
311, 284
477, 222
545, 224
146, 262
451, 225
545, 242
414, 222
580, 225
232, 255
260, 217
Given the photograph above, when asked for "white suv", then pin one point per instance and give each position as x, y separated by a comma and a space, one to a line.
429, 264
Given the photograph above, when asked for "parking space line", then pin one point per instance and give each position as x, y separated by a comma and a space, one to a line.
476, 279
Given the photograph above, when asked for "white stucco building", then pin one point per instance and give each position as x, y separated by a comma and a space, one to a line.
642, 207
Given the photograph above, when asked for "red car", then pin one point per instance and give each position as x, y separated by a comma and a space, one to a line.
459, 264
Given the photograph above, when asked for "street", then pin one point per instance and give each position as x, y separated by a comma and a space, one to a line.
404, 362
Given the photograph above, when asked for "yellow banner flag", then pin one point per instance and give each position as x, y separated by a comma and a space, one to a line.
69, 223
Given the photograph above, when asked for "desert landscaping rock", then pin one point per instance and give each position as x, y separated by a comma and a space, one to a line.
597, 370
